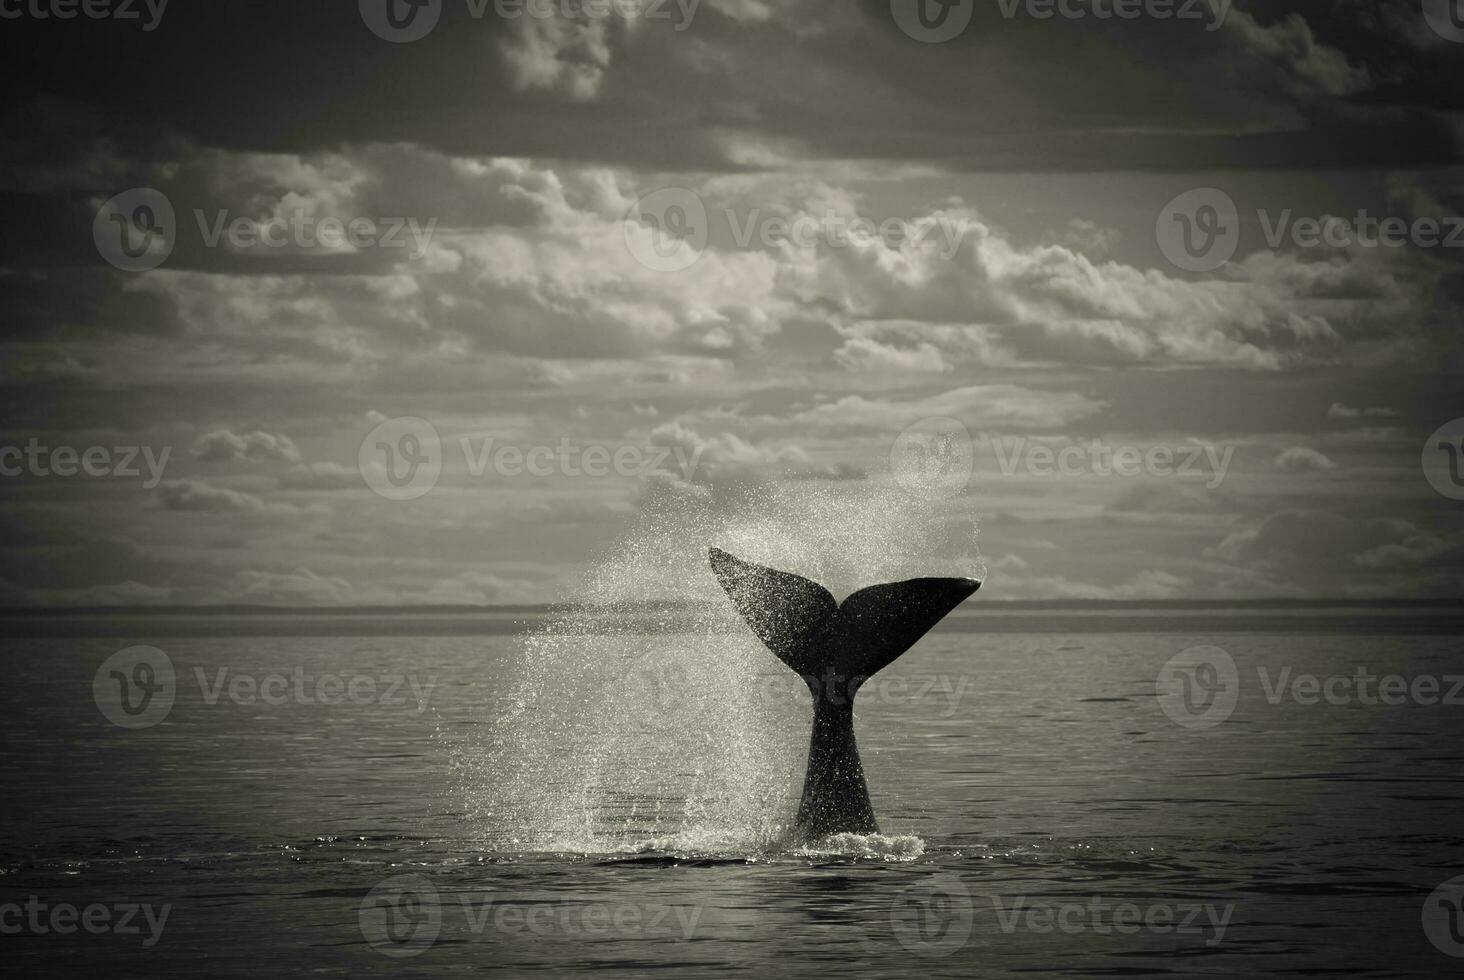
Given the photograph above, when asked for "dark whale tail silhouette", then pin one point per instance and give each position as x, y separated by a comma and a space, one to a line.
835, 648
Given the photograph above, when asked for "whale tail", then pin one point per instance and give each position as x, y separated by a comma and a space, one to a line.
798, 620
835, 647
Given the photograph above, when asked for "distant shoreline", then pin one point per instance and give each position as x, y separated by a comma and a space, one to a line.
975, 607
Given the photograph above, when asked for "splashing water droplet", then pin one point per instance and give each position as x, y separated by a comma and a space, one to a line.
647, 715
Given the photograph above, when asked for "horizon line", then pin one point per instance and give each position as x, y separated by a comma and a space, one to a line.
674, 605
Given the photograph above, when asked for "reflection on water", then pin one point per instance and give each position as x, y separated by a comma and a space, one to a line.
1036, 803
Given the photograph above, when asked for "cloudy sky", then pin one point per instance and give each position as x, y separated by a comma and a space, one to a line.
870, 228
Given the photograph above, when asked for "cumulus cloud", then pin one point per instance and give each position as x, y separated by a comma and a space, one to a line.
223, 445
1323, 549
1001, 406
1150, 584
1301, 459
1342, 412
196, 495
726, 459
299, 587
321, 476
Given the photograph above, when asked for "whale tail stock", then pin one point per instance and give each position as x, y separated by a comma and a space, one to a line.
835, 648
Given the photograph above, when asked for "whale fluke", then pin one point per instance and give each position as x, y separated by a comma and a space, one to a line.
835, 648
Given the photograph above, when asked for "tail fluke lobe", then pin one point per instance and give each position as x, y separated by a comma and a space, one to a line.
785, 611
875, 625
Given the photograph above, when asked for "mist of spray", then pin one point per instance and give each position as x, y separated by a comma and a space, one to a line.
649, 717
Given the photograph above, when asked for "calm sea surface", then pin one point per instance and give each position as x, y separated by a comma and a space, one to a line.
433, 805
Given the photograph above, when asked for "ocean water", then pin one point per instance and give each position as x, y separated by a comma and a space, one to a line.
318, 797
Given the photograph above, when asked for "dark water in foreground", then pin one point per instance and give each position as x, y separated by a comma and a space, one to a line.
1044, 813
